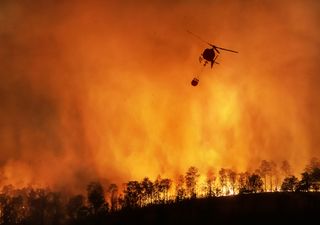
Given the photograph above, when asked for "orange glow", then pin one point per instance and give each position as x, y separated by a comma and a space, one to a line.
101, 90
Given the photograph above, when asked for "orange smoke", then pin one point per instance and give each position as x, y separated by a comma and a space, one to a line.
102, 90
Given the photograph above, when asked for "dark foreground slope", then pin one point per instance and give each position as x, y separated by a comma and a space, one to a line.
265, 208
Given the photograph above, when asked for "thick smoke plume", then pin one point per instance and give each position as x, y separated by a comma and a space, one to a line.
101, 89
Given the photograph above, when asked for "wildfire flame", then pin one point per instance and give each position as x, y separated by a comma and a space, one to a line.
101, 90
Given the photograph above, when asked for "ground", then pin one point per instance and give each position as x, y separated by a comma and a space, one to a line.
264, 208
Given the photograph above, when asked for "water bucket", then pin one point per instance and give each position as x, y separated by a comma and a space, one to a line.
195, 81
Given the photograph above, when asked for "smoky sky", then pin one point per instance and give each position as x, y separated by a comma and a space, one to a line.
101, 89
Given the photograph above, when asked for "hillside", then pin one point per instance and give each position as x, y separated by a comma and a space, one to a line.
264, 208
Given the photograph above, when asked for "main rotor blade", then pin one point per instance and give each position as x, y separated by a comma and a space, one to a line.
213, 46
225, 49
199, 38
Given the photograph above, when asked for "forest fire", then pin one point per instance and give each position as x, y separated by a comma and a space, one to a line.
99, 123
88, 93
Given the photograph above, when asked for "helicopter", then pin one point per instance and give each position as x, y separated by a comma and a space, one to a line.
209, 55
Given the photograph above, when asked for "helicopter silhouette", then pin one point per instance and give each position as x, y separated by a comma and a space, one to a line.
209, 55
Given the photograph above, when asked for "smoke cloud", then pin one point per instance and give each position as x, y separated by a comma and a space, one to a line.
101, 89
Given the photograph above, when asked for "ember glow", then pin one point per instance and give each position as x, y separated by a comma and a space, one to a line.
101, 89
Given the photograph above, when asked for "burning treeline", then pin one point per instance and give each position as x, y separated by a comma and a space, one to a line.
100, 90
43, 206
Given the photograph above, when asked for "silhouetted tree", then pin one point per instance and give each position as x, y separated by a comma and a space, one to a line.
165, 185
157, 189
210, 183
223, 178
313, 170
233, 180
161, 189
147, 190
255, 183
113, 191
265, 170
305, 182
315, 178
243, 182
290, 184
273, 173
96, 200
191, 179
180, 190
132, 195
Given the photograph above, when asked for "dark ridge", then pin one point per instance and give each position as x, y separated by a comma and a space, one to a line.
262, 208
